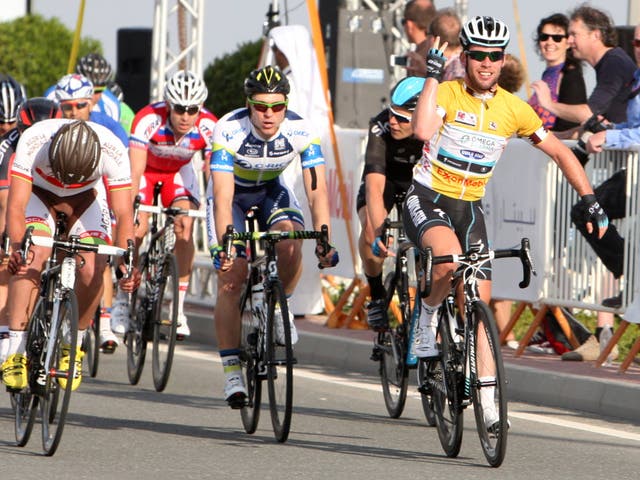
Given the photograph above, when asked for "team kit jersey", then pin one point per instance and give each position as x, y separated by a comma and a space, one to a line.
8, 144
32, 164
168, 157
237, 148
459, 159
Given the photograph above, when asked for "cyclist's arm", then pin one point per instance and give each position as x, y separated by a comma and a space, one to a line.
315, 185
374, 184
123, 211
426, 119
223, 192
19, 194
138, 157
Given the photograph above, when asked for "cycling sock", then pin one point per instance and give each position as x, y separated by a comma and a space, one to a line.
182, 293
105, 319
4, 343
231, 361
376, 287
427, 317
487, 398
17, 342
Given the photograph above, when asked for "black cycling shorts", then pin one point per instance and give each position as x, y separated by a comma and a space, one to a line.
425, 209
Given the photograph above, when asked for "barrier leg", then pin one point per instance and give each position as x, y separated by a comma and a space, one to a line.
564, 325
357, 318
520, 308
615, 338
334, 318
635, 349
537, 320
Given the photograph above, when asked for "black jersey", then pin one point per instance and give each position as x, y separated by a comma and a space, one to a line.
8, 143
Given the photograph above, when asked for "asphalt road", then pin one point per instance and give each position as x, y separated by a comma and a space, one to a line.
340, 430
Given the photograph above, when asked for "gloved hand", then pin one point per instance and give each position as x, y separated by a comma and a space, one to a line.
595, 215
375, 247
327, 255
435, 64
218, 256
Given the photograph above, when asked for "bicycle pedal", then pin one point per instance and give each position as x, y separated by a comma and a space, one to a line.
237, 401
376, 354
425, 389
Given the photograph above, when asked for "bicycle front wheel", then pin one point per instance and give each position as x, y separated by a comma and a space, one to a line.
393, 346
488, 384
279, 353
135, 337
165, 322
252, 359
59, 378
444, 385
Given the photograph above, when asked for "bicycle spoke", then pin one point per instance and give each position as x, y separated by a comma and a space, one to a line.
135, 338
165, 321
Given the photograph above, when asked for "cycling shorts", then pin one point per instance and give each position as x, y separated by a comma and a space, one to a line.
425, 209
180, 185
277, 203
391, 188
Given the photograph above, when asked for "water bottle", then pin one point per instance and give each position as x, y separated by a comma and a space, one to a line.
605, 335
257, 296
412, 358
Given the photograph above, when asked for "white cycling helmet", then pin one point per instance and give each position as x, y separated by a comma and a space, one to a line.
185, 88
484, 32
72, 87
12, 95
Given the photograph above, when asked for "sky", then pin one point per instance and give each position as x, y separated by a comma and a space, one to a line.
231, 23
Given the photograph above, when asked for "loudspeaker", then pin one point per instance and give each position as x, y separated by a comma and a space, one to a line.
358, 44
625, 39
134, 65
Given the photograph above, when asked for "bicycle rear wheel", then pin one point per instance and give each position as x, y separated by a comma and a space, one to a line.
279, 363
91, 344
55, 401
165, 322
394, 374
135, 338
444, 384
425, 395
488, 384
252, 358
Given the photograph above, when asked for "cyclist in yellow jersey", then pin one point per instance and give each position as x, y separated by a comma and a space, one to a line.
465, 125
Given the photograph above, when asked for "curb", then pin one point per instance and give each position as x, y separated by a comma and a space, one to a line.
600, 397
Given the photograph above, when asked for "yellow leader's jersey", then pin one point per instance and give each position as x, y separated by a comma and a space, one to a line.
459, 160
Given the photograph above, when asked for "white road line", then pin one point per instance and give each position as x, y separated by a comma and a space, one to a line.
549, 419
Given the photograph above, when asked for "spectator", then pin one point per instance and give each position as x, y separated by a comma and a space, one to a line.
512, 74
563, 74
593, 38
416, 21
446, 25
612, 196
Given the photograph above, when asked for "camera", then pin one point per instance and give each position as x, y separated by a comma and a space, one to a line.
398, 61
591, 126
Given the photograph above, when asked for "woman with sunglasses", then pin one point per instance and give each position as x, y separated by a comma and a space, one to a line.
392, 151
252, 146
165, 136
563, 73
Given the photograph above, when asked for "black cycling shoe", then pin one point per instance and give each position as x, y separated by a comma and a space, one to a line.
613, 302
237, 400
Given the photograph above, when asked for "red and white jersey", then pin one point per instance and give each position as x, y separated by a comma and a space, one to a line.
32, 164
152, 131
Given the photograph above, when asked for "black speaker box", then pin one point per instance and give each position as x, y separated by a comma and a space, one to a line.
134, 65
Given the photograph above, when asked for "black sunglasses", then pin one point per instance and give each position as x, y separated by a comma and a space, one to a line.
636, 42
181, 109
543, 37
479, 56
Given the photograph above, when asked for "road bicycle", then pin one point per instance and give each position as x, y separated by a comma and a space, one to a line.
153, 307
52, 331
391, 346
469, 370
263, 356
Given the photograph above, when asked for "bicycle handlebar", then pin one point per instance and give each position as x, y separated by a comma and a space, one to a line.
474, 258
172, 211
76, 246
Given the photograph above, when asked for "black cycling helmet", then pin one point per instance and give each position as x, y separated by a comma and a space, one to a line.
484, 32
96, 68
267, 79
36, 109
406, 92
74, 152
12, 95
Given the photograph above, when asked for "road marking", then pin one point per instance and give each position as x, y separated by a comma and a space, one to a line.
548, 419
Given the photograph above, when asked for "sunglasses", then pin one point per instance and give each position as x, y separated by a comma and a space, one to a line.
263, 106
400, 117
181, 109
69, 106
479, 56
636, 42
543, 37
